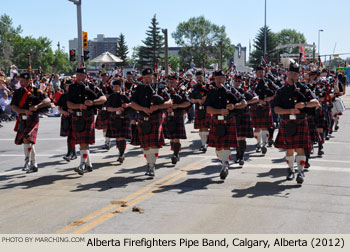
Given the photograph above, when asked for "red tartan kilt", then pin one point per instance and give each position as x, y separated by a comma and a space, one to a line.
244, 125
68, 132
261, 118
314, 135
227, 141
321, 122
88, 135
124, 132
101, 124
201, 124
156, 137
180, 132
30, 132
135, 139
300, 140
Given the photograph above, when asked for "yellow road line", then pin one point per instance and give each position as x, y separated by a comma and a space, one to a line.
100, 211
143, 197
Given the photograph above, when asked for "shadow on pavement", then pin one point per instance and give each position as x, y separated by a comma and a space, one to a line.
264, 189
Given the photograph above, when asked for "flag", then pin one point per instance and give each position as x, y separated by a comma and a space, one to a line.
302, 51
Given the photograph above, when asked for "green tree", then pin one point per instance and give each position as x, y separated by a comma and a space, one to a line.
7, 35
151, 50
61, 62
122, 50
39, 49
200, 39
271, 44
174, 62
290, 36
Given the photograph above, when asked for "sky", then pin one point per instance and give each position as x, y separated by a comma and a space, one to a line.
56, 19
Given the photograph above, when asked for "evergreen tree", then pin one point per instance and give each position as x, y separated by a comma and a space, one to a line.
271, 43
122, 50
150, 53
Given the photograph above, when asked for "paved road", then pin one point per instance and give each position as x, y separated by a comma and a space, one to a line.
187, 198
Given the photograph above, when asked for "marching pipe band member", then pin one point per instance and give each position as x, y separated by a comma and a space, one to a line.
175, 126
130, 86
103, 115
292, 102
220, 103
243, 121
118, 121
66, 122
261, 114
27, 101
150, 100
202, 118
82, 99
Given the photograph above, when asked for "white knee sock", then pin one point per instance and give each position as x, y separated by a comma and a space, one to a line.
147, 154
204, 135
300, 159
226, 155
32, 155
220, 154
257, 135
290, 162
26, 148
264, 136
154, 155
84, 155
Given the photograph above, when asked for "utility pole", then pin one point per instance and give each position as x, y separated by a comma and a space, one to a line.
166, 58
80, 33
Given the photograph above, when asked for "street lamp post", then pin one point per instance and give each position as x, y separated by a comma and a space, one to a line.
319, 31
80, 32
265, 34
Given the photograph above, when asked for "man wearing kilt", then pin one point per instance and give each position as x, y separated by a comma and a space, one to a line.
66, 123
220, 103
118, 121
103, 115
243, 121
291, 103
27, 102
175, 125
82, 99
202, 118
150, 100
261, 113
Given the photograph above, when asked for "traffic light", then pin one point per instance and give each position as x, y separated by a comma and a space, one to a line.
72, 55
85, 41
86, 55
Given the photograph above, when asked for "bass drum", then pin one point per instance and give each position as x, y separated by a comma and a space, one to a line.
338, 106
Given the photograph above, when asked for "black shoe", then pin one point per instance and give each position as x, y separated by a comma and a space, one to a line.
107, 146
237, 159
258, 148
175, 159
263, 150
327, 138
121, 159
33, 168
26, 165
241, 161
320, 152
224, 171
290, 175
88, 168
150, 170
67, 157
300, 178
201, 148
270, 142
73, 156
307, 165
80, 169
336, 127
